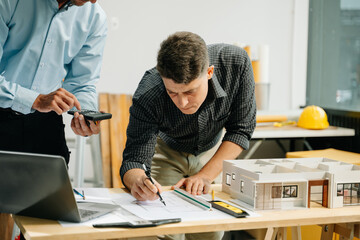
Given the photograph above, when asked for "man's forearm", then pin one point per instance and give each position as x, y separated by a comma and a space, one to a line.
227, 150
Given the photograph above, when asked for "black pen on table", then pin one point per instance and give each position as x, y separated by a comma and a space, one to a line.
148, 174
82, 195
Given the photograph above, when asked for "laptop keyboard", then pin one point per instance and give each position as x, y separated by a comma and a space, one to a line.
85, 212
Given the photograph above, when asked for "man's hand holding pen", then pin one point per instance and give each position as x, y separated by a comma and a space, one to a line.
140, 185
148, 174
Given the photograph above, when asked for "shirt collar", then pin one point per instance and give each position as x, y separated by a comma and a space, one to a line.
216, 88
65, 6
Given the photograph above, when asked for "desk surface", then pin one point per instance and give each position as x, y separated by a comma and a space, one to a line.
292, 131
344, 156
40, 229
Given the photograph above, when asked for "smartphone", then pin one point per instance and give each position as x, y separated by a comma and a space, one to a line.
92, 115
139, 224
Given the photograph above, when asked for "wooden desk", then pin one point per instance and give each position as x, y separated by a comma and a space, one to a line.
274, 221
344, 156
292, 132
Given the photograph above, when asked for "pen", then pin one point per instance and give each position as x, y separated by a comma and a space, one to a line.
147, 172
82, 195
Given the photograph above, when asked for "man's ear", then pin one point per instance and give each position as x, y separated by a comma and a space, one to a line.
210, 72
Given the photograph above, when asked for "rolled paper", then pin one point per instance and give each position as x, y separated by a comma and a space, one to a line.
239, 44
264, 63
256, 70
271, 118
248, 50
262, 92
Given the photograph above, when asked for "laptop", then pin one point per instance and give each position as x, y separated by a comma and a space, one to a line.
38, 185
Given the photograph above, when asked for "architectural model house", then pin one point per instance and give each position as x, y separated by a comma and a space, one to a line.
291, 182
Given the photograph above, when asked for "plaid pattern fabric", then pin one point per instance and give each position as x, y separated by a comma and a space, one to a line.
230, 104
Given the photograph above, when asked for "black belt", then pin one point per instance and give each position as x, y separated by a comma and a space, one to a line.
9, 110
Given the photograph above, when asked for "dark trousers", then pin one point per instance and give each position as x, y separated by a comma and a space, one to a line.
33, 133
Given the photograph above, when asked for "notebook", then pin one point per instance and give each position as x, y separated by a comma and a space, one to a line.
38, 185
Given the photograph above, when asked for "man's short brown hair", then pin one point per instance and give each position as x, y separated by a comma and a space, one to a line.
182, 57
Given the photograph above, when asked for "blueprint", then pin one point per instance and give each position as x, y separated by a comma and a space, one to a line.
132, 209
176, 207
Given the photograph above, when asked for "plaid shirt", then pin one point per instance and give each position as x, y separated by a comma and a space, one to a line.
230, 104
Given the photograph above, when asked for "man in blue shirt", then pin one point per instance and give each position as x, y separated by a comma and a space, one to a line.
50, 59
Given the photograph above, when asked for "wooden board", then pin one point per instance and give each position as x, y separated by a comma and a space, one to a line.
105, 141
119, 106
6, 226
113, 135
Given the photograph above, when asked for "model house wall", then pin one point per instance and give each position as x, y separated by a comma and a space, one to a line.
292, 183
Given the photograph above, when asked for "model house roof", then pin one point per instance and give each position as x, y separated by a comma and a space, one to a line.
291, 169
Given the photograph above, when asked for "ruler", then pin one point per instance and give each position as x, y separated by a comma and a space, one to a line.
193, 199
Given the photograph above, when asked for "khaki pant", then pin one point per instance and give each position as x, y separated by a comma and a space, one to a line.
168, 167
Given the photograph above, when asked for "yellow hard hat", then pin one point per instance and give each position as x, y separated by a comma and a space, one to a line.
313, 117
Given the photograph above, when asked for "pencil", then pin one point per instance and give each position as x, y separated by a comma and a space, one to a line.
213, 195
149, 176
82, 195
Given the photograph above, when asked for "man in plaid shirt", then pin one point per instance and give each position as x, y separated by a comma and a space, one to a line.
179, 111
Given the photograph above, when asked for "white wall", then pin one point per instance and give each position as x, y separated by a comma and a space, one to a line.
137, 27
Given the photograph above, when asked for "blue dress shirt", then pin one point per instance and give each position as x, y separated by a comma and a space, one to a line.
41, 45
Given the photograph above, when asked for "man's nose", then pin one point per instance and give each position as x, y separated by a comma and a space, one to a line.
183, 101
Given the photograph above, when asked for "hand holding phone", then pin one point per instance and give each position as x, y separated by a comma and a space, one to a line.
92, 115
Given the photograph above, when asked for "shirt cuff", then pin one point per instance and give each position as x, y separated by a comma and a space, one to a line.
238, 139
23, 101
128, 166
88, 101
